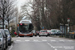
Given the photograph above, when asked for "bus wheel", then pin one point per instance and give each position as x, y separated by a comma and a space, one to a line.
31, 36
39, 36
47, 35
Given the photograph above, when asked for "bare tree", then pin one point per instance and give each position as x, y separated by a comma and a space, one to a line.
6, 10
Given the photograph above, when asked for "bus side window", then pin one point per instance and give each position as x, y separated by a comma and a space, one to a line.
30, 27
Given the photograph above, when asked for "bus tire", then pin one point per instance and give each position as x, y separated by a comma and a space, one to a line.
31, 36
39, 36
46, 35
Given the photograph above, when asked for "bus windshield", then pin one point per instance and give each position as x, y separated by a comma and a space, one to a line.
25, 28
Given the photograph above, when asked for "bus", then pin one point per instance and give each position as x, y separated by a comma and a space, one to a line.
25, 28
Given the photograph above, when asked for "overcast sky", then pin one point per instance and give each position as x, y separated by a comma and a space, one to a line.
21, 2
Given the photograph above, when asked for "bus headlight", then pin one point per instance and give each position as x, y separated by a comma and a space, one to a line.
20, 33
29, 33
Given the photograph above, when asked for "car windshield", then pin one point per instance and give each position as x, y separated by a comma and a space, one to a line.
43, 31
0, 35
53, 30
7, 32
59, 31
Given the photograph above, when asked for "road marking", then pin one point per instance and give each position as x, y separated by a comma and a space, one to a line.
10, 47
62, 40
70, 40
19, 37
51, 46
58, 46
44, 40
35, 40
27, 40
55, 49
52, 40
68, 47
38, 37
18, 40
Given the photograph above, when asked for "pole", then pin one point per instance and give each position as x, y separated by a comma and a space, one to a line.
68, 27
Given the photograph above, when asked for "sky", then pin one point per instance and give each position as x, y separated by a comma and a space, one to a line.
21, 2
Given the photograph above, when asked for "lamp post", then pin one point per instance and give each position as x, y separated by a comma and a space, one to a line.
68, 20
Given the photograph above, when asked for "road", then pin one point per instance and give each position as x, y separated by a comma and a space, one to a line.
42, 43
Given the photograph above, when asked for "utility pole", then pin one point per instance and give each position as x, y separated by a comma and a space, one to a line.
17, 21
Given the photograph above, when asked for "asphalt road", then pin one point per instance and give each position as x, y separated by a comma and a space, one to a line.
42, 43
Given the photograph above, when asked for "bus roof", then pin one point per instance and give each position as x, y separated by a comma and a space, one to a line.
25, 21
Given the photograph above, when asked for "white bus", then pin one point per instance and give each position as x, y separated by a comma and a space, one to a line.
25, 28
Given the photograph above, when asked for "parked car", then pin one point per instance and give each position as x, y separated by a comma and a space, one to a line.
3, 43
43, 33
8, 36
58, 32
53, 31
37, 32
49, 32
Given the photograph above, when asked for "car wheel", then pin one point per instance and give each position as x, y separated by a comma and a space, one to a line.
9, 43
2, 47
35, 35
6, 45
39, 36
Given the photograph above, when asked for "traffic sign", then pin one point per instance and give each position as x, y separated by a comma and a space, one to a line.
42, 27
68, 20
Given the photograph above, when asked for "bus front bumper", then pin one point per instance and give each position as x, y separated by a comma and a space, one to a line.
25, 34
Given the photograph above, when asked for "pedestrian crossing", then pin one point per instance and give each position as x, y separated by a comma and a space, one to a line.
44, 40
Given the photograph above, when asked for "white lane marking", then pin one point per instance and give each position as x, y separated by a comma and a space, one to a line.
70, 40
38, 37
44, 40
35, 40
18, 40
55, 49
19, 37
52, 40
10, 47
62, 40
51, 46
58, 46
68, 47
27, 40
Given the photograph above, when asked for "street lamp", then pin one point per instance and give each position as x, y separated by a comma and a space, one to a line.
68, 20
